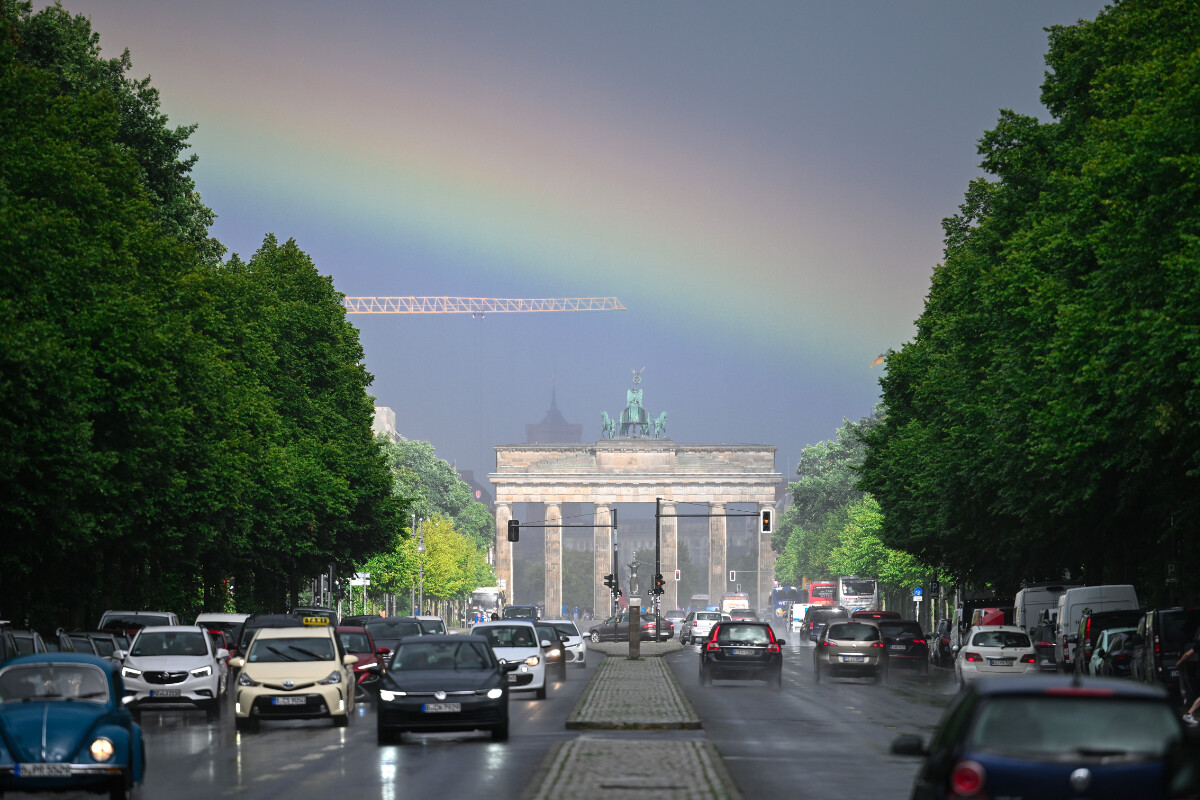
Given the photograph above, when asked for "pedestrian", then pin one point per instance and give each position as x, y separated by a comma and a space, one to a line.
495, 617
575, 614
1189, 684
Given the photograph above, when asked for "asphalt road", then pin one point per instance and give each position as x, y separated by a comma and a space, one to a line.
808, 740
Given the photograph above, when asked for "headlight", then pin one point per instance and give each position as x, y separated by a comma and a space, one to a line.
102, 749
495, 694
203, 672
334, 677
533, 661
388, 697
246, 680
130, 672
555, 653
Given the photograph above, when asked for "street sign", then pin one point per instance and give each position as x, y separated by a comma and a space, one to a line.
502, 582
917, 592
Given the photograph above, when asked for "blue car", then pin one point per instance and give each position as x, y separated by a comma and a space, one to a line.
63, 726
1038, 736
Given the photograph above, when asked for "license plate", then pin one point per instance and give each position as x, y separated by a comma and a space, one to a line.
512, 678
288, 701
165, 693
1173, 673
854, 658
43, 770
899, 647
442, 708
1000, 662
741, 651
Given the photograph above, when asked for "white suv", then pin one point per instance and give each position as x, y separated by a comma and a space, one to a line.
696, 625
174, 665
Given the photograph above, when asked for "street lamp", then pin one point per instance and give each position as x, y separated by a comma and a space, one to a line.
421, 566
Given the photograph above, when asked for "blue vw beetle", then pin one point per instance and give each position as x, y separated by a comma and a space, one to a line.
63, 725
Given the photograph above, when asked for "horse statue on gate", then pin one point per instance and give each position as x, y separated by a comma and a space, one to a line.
660, 426
608, 426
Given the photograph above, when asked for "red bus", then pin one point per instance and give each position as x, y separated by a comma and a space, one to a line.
822, 593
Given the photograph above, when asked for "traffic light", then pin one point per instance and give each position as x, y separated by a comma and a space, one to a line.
732, 576
765, 514
610, 581
659, 584
514, 530
676, 574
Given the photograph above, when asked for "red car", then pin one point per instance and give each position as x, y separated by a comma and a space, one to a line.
357, 641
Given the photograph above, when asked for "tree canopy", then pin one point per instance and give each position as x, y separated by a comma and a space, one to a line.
1046, 412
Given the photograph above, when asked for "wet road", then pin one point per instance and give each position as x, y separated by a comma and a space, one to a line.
815, 740
808, 740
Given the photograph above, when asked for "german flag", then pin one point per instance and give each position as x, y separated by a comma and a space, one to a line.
878, 360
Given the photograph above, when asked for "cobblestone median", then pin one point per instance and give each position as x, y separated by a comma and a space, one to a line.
633, 694
648, 649
625, 769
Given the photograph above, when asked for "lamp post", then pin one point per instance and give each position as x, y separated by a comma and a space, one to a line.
421, 566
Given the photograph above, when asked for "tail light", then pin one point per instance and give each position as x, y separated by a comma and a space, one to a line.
946, 640
972, 657
1066, 650
1029, 659
918, 641
967, 779
695, 624
1044, 644
876, 644
773, 647
712, 644
1157, 649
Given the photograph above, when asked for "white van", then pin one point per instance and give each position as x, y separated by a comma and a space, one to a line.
1071, 605
1031, 601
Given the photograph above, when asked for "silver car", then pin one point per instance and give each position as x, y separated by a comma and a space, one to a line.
576, 644
695, 627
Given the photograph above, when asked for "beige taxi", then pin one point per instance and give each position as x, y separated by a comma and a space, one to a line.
294, 673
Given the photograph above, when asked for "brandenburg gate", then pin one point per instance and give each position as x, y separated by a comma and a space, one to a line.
630, 466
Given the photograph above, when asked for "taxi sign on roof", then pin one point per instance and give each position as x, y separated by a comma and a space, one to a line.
314, 620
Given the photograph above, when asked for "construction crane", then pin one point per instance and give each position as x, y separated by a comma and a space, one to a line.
477, 305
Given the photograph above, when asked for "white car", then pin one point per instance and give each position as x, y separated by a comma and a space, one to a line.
516, 640
174, 665
994, 650
576, 644
697, 624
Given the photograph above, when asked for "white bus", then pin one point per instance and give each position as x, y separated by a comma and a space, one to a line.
487, 600
857, 594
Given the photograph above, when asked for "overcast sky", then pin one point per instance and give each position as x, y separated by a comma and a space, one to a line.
761, 185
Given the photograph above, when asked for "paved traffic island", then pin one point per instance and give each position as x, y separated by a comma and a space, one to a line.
633, 695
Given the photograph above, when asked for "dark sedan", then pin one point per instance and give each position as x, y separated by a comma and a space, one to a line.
443, 683
387, 632
1050, 736
742, 650
906, 644
616, 629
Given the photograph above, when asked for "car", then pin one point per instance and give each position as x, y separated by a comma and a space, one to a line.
1044, 647
358, 641
676, 617
430, 624
1162, 636
256, 622
994, 650
870, 613
130, 622
940, 654
851, 647
1091, 625
819, 617
229, 623
1117, 659
554, 647
520, 612
743, 614
387, 632
8, 645
64, 726
294, 673
1104, 645
357, 620
515, 641
697, 625
174, 665
15, 642
906, 644
1053, 736
317, 611
444, 683
576, 644
616, 629
742, 650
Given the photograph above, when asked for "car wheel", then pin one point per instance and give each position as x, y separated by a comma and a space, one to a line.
119, 788
706, 678
246, 724
596, 637
341, 720
384, 736
500, 733
540, 694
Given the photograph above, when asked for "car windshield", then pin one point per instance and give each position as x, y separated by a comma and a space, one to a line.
354, 642
30, 682
414, 656
566, 628
734, 633
432, 626
173, 643
849, 632
1083, 725
1000, 639
508, 635
822, 592
291, 648
710, 616
898, 629
393, 630
105, 645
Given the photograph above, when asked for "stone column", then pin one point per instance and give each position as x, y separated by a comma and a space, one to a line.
504, 570
554, 596
718, 576
669, 531
602, 554
766, 561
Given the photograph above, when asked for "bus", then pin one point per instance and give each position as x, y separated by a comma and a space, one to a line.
487, 600
857, 594
699, 602
822, 593
732, 600
782, 598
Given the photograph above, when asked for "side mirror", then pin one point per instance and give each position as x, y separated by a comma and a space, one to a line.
222, 654
349, 660
781, 642
376, 668
564, 639
1100, 653
127, 699
237, 663
1071, 639
120, 655
908, 745
953, 648
382, 651
545, 643
509, 666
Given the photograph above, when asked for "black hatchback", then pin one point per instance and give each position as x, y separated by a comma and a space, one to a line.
906, 644
742, 650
